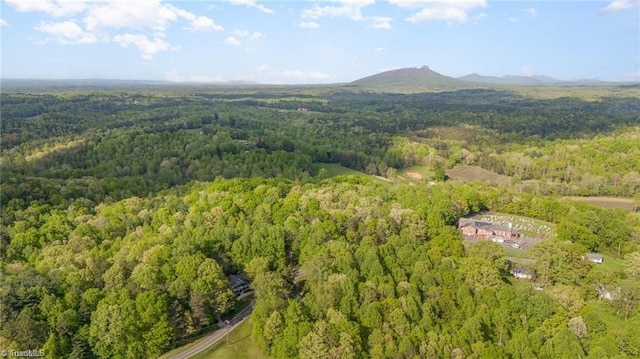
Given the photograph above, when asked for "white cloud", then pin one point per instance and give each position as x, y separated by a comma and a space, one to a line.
441, 10
379, 50
67, 32
3, 22
308, 25
619, 5
240, 33
531, 12
262, 68
632, 76
252, 3
174, 77
148, 47
105, 21
52, 7
256, 36
528, 71
411, 4
201, 23
513, 19
137, 15
232, 41
381, 23
243, 34
347, 8
302, 75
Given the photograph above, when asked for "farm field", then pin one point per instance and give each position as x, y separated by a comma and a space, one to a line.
606, 202
475, 173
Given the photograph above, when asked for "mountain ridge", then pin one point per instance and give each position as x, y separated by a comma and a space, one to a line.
409, 76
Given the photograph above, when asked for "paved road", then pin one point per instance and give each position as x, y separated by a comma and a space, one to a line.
217, 335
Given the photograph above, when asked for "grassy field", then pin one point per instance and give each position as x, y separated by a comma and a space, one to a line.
607, 202
528, 226
475, 173
179, 350
334, 169
614, 323
417, 173
613, 263
240, 346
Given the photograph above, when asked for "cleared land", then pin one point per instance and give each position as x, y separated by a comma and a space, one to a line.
475, 173
616, 264
334, 169
606, 202
416, 172
240, 346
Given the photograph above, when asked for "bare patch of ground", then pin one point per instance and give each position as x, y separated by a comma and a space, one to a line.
413, 175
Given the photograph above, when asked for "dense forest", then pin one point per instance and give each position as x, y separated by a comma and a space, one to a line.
124, 212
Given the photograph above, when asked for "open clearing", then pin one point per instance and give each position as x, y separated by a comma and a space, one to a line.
475, 173
416, 173
240, 346
334, 169
606, 202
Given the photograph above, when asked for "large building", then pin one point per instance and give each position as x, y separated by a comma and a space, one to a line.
487, 230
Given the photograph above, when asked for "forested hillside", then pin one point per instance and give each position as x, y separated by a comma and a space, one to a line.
123, 213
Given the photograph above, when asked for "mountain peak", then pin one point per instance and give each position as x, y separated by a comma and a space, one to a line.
408, 77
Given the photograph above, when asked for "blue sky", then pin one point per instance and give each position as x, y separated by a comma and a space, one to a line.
292, 42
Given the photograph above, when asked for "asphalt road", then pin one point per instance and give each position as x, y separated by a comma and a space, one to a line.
217, 335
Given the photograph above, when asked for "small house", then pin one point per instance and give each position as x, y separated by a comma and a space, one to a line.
239, 284
595, 257
522, 273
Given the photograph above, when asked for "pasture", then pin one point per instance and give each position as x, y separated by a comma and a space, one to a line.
606, 202
475, 173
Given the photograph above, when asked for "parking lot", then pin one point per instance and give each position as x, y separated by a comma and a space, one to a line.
523, 243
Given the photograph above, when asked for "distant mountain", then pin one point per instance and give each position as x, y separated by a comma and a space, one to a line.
409, 77
510, 79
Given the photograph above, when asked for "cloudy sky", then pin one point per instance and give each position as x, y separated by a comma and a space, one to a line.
317, 41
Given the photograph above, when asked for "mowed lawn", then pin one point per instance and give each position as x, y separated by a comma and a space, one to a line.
241, 346
616, 264
334, 169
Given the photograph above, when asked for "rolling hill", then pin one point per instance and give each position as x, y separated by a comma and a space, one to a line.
422, 77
